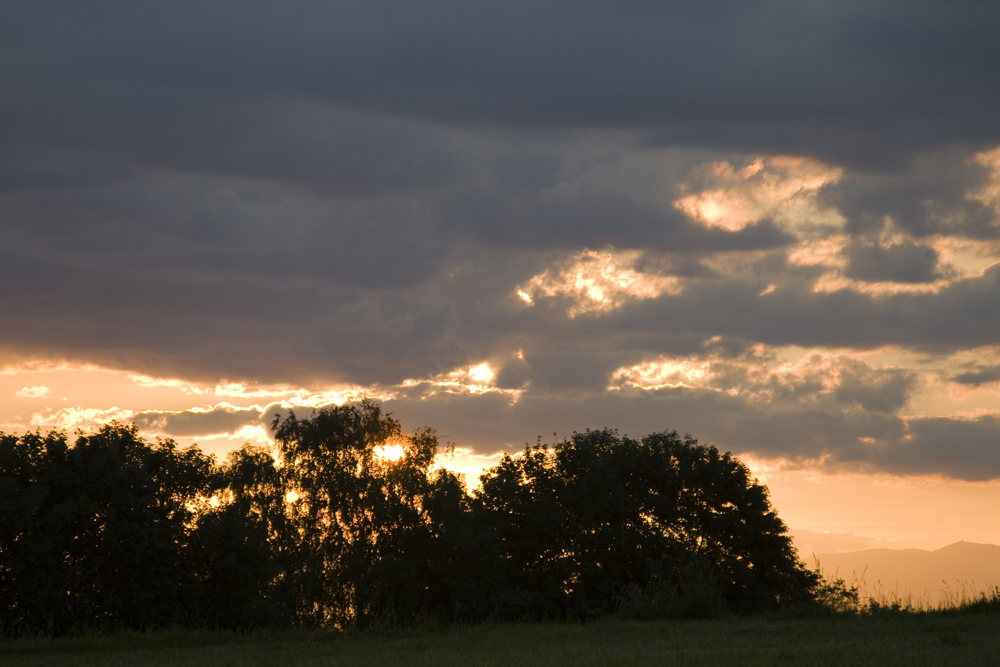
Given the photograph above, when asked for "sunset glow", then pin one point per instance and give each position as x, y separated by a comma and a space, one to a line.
782, 188
599, 281
390, 452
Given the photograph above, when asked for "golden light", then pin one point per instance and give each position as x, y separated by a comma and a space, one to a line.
782, 188
476, 379
40, 391
662, 373
482, 373
716, 208
390, 452
962, 260
600, 281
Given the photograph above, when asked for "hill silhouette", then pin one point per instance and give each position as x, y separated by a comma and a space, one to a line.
923, 577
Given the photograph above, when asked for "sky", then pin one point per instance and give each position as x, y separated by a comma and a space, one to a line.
773, 225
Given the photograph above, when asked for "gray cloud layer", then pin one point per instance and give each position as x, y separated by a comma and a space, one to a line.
882, 78
353, 192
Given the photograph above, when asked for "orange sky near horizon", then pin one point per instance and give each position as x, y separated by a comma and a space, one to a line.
826, 513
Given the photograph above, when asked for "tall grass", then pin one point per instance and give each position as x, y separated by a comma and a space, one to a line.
862, 597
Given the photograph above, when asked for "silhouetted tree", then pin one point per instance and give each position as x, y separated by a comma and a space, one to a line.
366, 525
91, 534
112, 531
597, 515
240, 549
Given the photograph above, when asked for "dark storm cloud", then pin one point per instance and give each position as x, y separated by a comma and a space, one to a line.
163, 224
594, 220
520, 171
269, 135
353, 192
879, 79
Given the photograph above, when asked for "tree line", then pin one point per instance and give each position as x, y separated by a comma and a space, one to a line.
113, 531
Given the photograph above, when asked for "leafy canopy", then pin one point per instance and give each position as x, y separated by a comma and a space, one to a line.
322, 529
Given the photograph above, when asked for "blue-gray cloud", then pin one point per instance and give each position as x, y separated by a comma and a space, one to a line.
855, 82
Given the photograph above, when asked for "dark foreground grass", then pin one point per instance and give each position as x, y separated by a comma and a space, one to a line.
891, 639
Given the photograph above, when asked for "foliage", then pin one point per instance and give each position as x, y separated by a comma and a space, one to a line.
366, 527
599, 514
240, 547
91, 533
322, 530
835, 596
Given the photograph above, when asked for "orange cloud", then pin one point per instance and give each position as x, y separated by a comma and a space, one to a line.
39, 391
69, 419
598, 282
473, 379
782, 188
989, 194
761, 376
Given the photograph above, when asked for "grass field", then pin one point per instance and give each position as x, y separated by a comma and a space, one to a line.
884, 639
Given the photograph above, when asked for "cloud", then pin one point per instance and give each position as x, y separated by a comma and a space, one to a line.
39, 391
989, 193
597, 281
840, 381
942, 191
953, 447
828, 411
982, 375
514, 218
219, 419
807, 433
781, 188
731, 422
76, 417
859, 90
899, 262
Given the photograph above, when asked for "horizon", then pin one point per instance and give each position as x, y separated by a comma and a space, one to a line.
775, 228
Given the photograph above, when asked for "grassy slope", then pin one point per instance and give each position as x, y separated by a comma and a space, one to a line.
917, 639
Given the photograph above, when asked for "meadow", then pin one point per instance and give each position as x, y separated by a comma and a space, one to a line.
957, 637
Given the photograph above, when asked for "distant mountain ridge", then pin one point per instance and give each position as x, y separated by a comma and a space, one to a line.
923, 577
